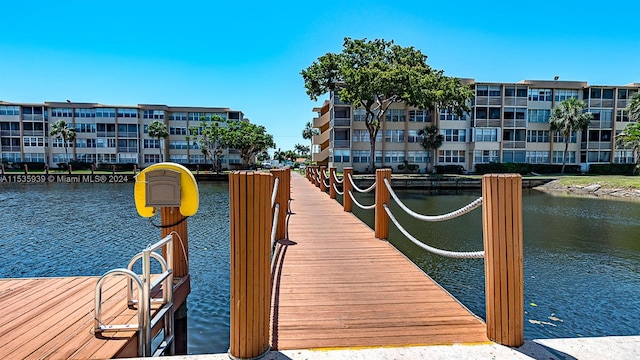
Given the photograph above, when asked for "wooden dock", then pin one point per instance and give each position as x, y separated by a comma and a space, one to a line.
53, 318
336, 285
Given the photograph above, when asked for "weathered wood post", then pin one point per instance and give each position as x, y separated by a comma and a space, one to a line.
346, 187
26, 169
316, 178
503, 262
135, 169
282, 198
2, 167
46, 169
382, 198
332, 182
70, 169
113, 169
323, 186
93, 168
250, 218
173, 221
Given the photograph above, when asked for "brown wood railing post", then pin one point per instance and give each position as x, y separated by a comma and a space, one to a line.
316, 178
46, 169
503, 262
250, 233
332, 181
2, 169
173, 221
70, 169
26, 169
282, 198
323, 186
93, 168
382, 198
346, 187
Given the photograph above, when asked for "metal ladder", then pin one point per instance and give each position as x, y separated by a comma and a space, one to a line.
144, 300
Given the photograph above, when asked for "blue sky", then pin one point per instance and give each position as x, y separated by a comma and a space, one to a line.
248, 55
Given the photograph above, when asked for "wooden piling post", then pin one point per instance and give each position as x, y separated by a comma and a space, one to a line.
323, 186
70, 169
46, 169
173, 221
346, 187
332, 181
502, 227
282, 198
316, 178
26, 169
93, 168
382, 198
250, 233
2, 168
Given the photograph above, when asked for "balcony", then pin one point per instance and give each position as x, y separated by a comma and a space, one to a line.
515, 101
11, 148
342, 122
341, 144
321, 156
34, 133
600, 145
322, 138
128, 149
106, 134
10, 133
514, 144
321, 121
518, 123
487, 123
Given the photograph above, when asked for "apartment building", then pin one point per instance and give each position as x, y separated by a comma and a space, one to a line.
108, 134
508, 122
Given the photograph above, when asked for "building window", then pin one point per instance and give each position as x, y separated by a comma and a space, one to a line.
151, 144
61, 112
453, 116
178, 158
419, 157
34, 157
413, 136
84, 113
599, 156
177, 130
565, 94
486, 134
539, 115
514, 113
537, 157
451, 156
153, 114
86, 143
419, 116
178, 116
127, 113
62, 158
178, 144
558, 138
105, 112
482, 113
538, 136
391, 156
151, 158
361, 135
485, 156
494, 113
9, 110
341, 155
513, 156
197, 159
623, 157
454, 135
106, 142
622, 115
394, 136
515, 91
395, 115
361, 156
85, 128
359, 114
482, 90
539, 94
557, 157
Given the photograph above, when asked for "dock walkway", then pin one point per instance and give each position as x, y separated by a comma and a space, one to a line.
336, 286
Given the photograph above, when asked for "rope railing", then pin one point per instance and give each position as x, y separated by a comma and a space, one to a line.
324, 174
373, 186
327, 184
435, 218
365, 207
337, 191
335, 178
447, 253
274, 194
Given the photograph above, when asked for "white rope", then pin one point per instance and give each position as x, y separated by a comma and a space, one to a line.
324, 174
274, 225
335, 177
373, 186
275, 192
466, 209
360, 205
451, 254
326, 183
337, 191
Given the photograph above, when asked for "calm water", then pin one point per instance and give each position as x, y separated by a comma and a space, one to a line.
582, 256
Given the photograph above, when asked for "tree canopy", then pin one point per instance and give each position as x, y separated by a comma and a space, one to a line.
630, 138
567, 117
634, 108
373, 74
158, 130
249, 139
209, 137
431, 140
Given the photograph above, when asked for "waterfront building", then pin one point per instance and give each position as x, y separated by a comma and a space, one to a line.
508, 122
106, 134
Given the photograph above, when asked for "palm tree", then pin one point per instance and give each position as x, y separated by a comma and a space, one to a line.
567, 117
60, 130
158, 130
302, 150
431, 140
634, 108
308, 133
630, 138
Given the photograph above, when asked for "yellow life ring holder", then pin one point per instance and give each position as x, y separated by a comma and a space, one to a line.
189, 199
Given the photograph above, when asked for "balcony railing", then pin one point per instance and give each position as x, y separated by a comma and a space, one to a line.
518, 123
487, 123
321, 156
341, 122
341, 144
604, 145
322, 138
515, 101
106, 134
10, 133
10, 148
34, 133
514, 144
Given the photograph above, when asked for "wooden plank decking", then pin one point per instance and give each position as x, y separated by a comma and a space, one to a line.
53, 318
336, 285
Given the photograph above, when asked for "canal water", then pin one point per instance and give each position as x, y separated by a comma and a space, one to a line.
582, 255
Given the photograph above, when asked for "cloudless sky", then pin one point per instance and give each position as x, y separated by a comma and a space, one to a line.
248, 55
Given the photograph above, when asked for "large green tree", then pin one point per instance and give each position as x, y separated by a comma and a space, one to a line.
634, 108
630, 138
302, 150
210, 138
158, 130
567, 117
61, 130
431, 140
373, 74
249, 139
